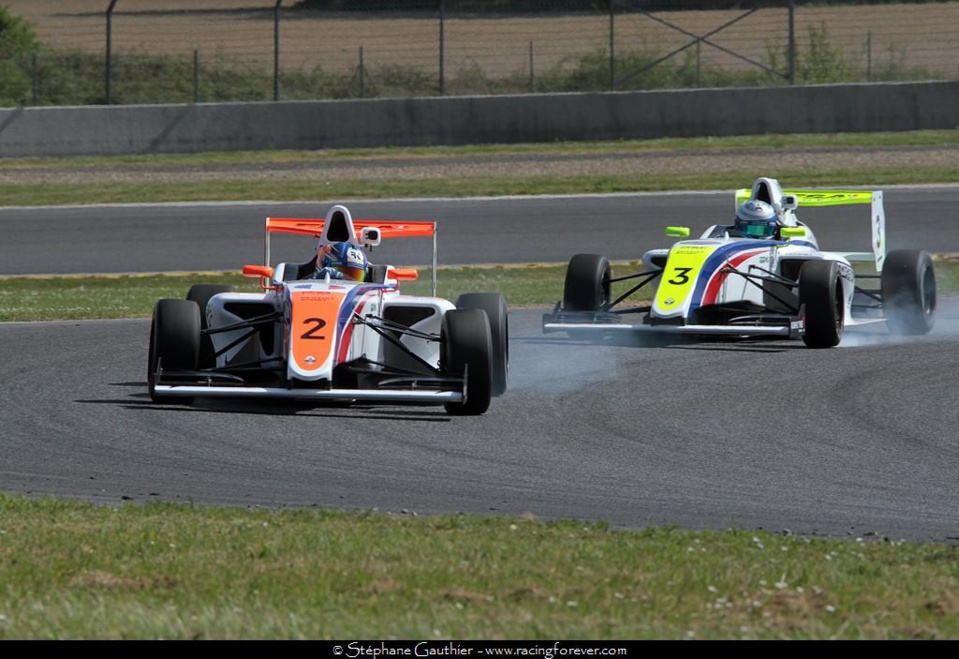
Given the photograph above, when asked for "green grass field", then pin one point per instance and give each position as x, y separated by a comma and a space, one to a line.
70, 570
712, 164
169, 571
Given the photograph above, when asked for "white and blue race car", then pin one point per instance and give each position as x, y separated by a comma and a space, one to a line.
785, 286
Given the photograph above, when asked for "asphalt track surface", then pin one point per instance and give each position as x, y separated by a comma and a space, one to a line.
223, 237
857, 441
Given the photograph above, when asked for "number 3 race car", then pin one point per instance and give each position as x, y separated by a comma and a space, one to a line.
722, 284
331, 340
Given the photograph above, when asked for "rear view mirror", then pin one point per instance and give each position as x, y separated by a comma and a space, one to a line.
257, 271
264, 272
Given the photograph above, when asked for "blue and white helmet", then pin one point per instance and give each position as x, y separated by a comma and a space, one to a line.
756, 219
344, 258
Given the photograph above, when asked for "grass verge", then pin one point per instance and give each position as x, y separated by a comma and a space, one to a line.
133, 295
172, 571
308, 190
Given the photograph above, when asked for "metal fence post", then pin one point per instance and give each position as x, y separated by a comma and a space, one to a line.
109, 67
442, 46
792, 42
196, 75
35, 70
532, 71
612, 46
362, 75
276, 50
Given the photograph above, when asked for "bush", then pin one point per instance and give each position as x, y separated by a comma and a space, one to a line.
17, 42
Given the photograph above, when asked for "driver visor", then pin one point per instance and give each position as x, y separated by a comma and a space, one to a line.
356, 274
757, 229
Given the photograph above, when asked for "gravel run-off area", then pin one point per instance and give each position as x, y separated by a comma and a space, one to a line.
554, 164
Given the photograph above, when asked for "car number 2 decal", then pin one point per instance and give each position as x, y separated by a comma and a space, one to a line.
313, 328
315, 325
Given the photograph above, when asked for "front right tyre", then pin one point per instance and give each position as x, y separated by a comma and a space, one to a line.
587, 289
588, 283
174, 343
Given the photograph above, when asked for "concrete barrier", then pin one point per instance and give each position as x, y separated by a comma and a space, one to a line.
116, 130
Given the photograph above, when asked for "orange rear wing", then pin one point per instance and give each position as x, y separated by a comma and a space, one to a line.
361, 229
388, 228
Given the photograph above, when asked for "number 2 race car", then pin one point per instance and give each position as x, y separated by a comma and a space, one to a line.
723, 284
331, 340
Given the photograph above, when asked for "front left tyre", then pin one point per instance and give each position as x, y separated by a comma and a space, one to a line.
468, 353
174, 343
494, 305
820, 291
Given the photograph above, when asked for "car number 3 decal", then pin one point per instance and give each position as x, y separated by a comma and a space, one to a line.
313, 332
682, 271
682, 276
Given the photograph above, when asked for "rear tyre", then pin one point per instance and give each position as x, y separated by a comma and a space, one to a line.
494, 305
174, 343
588, 283
820, 290
467, 350
201, 294
908, 285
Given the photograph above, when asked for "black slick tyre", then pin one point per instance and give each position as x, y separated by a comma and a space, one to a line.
588, 283
494, 305
820, 291
174, 343
908, 284
467, 352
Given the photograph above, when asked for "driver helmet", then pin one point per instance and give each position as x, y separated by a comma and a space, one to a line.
344, 258
756, 219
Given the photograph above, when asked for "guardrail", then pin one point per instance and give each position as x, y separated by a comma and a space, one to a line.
186, 128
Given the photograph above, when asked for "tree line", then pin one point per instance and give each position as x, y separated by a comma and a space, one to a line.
541, 6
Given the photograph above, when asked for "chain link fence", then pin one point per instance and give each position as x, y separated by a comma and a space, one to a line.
186, 51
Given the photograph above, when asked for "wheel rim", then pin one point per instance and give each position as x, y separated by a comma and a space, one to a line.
928, 292
840, 315
604, 296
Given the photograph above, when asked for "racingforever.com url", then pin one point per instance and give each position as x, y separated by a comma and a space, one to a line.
449, 649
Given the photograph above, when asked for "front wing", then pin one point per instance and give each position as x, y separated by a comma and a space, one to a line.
372, 395
608, 323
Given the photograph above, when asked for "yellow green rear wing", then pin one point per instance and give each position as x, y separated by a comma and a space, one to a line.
821, 198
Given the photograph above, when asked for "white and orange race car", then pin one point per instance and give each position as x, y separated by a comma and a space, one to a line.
329, 340
783, 286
